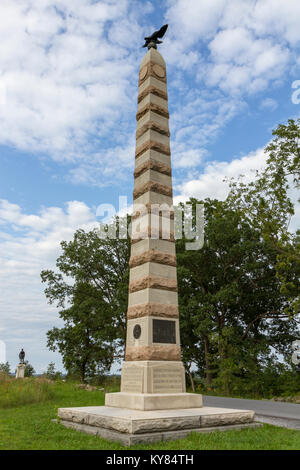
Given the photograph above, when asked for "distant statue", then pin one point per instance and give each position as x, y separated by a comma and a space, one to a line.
22, 356
152, 41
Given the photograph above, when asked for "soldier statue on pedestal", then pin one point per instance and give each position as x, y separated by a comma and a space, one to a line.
22, 356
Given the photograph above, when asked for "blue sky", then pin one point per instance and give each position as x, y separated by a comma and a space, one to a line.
68, 89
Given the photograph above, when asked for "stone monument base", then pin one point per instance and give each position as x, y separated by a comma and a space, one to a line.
20, 371
153, 401
134, 426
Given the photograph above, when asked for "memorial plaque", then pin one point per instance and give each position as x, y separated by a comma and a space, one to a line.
164, 331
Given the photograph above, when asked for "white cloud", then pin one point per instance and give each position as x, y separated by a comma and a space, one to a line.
197, 120
65, 71
105, 168
194, 19
188, 158
274, 17
211, 182
269, 104
240, 60
232, 45
221, 53
248, 40
67, 68
30, 243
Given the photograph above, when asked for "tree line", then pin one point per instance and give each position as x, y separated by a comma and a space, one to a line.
238, 296
28, 372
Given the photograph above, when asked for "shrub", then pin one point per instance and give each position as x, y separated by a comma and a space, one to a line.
18, 392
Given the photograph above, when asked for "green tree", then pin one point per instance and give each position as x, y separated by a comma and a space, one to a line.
231, 304
50, 373
267, 204
93, 302
29, 370
5, 367
239, 294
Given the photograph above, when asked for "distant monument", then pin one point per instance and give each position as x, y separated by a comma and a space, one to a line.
21, 366
22, 356
153, 404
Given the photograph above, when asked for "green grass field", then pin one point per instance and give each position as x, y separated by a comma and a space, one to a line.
28, 426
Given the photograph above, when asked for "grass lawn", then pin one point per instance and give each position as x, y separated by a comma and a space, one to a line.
29, 426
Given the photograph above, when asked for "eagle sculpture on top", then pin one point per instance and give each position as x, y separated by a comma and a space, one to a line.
152, 41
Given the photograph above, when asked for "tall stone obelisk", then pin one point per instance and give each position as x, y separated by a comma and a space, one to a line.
153, 375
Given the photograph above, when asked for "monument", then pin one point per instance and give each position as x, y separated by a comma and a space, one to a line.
153, 375
20, 372
153, 404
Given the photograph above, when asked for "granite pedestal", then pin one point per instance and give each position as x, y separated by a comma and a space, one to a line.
130, 427
20, 373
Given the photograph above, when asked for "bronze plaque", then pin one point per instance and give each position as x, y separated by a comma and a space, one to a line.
164, 331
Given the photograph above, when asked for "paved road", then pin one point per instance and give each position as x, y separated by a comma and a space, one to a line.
266, 411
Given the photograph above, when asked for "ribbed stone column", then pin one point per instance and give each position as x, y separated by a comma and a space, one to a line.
152, 317
153, 375
153, 280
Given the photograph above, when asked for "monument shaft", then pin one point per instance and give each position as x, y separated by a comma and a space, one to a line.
153, 358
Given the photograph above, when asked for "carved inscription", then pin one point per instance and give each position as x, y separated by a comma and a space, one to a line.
132, 379
166, 380
164, 331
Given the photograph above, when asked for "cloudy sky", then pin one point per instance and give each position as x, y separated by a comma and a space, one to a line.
68, 89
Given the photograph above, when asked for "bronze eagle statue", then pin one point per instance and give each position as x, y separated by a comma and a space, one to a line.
153, 40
